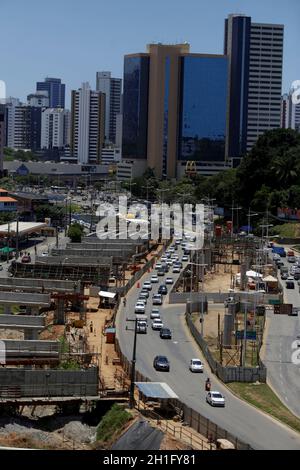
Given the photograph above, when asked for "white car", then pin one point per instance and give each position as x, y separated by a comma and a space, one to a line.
163, 259
185, 258
140, 307
169, 262
154, 279
155, 313
176, 270
169, 280
45, 253
158, 266
147, 285
157, 299
196, 365
157, 324
215, 399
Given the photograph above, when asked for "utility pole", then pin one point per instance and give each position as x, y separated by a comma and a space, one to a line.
17, 238
133, 362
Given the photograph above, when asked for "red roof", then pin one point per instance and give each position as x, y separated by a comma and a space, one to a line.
7, 199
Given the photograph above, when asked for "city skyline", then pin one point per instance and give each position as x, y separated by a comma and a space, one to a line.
108, 42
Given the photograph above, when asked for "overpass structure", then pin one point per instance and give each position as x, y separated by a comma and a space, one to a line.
31, 325
30, 352
38, 285
32, 301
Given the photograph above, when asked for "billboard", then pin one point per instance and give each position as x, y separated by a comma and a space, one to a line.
286, 213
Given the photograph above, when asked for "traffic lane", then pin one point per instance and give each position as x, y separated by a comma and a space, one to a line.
283, 374
257, 429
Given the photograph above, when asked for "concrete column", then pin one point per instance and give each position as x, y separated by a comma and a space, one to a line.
35, 311
7, 309
31, 333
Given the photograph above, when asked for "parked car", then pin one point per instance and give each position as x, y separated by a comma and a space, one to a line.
157, 324
165, 333
161, 363
291, 259
215, 399
196, 365
154, 279
155, 313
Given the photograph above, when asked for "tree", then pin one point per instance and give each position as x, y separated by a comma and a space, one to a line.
75, 233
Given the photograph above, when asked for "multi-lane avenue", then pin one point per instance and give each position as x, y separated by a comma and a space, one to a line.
239, 418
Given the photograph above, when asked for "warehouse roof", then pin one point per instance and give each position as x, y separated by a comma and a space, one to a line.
156, 390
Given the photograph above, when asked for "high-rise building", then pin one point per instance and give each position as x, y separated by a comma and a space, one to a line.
23, 126
39, 98
56, 91
54, 132
112, 87
255, 52
87, 124
290, 111
174, 107
2, 134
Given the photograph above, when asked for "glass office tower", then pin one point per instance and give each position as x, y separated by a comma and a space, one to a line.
135, 106
203, 108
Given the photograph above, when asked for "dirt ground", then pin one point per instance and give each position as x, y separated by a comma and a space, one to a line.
219, 281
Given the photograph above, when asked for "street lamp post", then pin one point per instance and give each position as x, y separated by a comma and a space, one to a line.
250, 214
202, 265
133, 362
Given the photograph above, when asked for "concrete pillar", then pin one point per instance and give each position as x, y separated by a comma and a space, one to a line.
31, 333
35, 310
7, 309
228, 328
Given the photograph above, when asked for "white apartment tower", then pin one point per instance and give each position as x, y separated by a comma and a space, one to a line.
265, 80
87, 124
112, 87
55, 122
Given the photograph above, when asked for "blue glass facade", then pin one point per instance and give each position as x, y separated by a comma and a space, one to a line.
56, 91
203, 103
135, 107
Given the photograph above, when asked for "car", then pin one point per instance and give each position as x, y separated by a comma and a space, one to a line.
157, 299
178, 242
290, 284
284, 276
141, 327
155, 313
174, 256
297, 276
294, 312
291, 259
177, 264
169, 280
140, 307
147, 285
185, 258
161, 363
158, 266
162, 290
169, 262
171, 249
154, 279
290, 278
168, 255
276, 256
1, 267
142, 298
176, 270
157, 324
163, 259
165, 333
215, 399
161, 272
145, 293
45, 253
196, 365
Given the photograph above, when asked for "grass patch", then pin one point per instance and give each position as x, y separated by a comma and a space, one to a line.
112, 422
265, 399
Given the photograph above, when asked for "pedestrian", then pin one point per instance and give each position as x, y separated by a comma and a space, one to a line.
91, 327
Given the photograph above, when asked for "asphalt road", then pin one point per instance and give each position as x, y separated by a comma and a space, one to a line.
282, 331
239, 418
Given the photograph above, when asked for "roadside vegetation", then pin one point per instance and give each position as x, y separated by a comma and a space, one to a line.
287, 230
262, 396
112, 423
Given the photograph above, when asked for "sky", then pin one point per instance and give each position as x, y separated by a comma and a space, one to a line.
72, 39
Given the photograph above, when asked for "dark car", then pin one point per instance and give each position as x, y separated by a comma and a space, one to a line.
290, 285
162, 290
161, 272
284, 276
161, 363
165, 333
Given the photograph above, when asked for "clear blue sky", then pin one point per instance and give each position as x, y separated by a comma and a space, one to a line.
72, 39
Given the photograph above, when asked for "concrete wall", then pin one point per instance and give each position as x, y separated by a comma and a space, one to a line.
220, 297
50, 383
